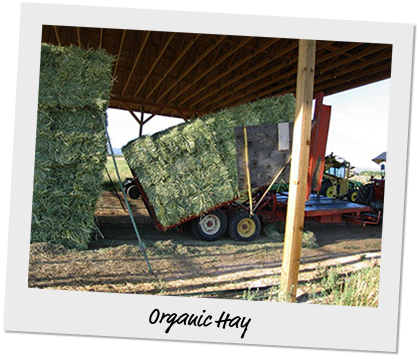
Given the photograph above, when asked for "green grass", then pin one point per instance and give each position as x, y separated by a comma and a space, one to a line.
123, 170
360, 289
332, 287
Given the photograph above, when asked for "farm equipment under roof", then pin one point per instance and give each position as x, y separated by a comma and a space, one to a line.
242, 217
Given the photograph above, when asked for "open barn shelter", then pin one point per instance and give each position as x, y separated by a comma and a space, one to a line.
185, 74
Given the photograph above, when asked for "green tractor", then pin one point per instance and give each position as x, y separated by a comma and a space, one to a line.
336, 182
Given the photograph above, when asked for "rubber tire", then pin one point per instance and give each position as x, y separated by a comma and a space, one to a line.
366, 194
351, 193
132, 191
233, 226
201, 235
324, 187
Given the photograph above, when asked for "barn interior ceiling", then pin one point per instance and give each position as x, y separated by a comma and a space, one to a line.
184, 74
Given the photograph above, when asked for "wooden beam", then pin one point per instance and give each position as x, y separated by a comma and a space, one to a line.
128, 108
156, 105
78, 37
278, 68
286, 49
245, 60
333, 80
299, 168
174, 63
119, 51
56, 35
334, 64
101, 37
245, 84
362, 81
141, 121
162, 50
213, 66
135, 62
249, 94
193, 65
149, 118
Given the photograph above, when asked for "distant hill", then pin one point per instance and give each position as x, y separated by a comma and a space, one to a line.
373, 169
117, 151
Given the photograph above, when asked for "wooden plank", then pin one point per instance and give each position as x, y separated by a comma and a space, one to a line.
299, 168
174, 62
133, 67
192, 66
265, 157
161, 52
119, 52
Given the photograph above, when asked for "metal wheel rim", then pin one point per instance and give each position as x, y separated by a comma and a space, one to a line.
353, 196
329, 192
210, 224
246, 227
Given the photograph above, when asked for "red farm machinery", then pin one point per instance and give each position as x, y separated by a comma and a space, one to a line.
373, 192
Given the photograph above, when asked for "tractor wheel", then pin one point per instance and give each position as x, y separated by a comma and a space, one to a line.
366, 194
244, 227
327, 189
324, 187
352, 195
132, 191
210, 226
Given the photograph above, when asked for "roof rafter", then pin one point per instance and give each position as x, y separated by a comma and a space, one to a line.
174, 63
56, 35
135, 62
317, 87
188, 70
249, 71
119, 51
215, 64
101, 37
267, 73
239, 63
198, 73
156, 105
162, 50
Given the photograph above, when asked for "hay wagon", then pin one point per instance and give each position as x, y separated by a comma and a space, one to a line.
262, 157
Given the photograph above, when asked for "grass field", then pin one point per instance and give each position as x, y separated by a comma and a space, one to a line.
123, 170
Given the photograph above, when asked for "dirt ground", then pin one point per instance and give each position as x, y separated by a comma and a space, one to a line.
183, 265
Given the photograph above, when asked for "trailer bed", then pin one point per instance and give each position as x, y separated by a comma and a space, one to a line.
324, 209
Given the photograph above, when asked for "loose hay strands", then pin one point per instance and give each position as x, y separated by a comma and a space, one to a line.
70, 154
191, 168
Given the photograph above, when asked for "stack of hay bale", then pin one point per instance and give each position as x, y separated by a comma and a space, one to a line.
189, 169
71, 145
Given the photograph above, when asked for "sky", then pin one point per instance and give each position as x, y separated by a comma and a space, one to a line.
358, 126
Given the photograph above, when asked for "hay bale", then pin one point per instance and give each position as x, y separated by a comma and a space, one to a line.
189, 169
71, 146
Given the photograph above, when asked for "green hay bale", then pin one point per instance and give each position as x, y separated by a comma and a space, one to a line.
71, 144
191, 168
74, 78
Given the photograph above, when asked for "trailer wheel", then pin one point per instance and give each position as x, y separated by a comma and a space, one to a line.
244, 227
210, 226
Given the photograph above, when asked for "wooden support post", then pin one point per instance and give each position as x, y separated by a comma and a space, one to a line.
299, 169
141, 121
